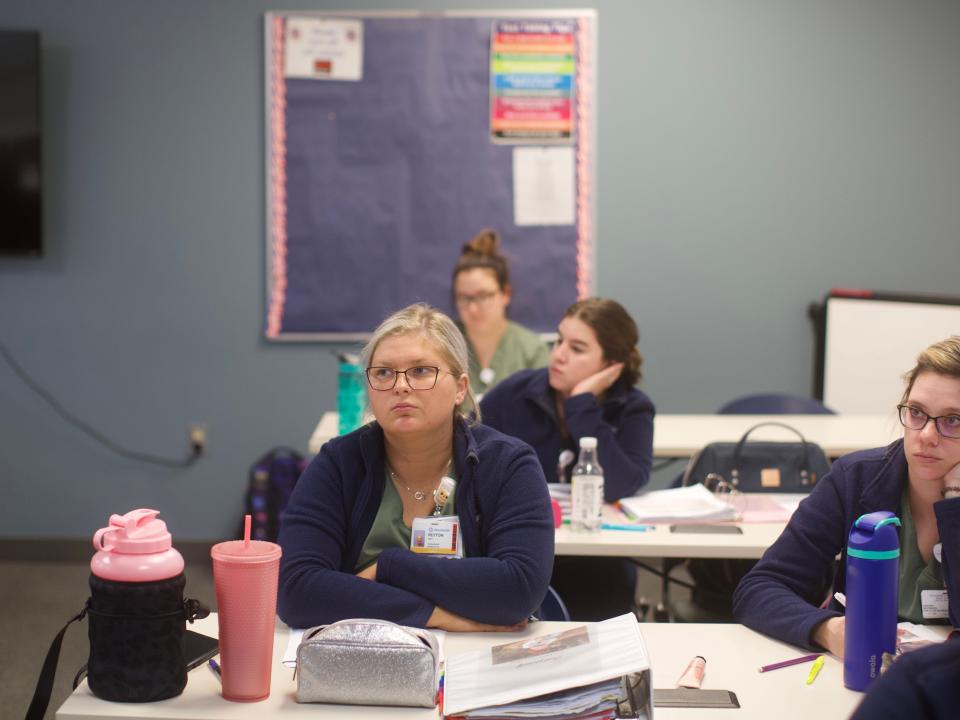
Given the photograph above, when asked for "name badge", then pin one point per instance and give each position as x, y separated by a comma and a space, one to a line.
437, 536
933, 603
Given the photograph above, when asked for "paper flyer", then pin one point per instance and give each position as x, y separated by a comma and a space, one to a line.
532, 68
323, 49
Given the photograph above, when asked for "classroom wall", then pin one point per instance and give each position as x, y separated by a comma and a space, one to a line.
752, 154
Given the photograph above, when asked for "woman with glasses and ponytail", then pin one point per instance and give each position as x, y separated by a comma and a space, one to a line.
917, 478
498, 347
422, 517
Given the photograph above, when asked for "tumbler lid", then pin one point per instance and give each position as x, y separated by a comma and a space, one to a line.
138, 532
238, 551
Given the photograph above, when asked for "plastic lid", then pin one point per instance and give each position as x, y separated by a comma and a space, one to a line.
588, 443
138, 532
238, 551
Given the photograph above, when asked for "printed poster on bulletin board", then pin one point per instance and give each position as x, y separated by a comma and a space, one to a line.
532, 82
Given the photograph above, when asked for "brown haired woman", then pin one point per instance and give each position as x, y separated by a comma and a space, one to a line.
482, 292
587, 391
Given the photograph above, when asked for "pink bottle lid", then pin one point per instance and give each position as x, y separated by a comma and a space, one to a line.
240, 551
135, 547
137, 533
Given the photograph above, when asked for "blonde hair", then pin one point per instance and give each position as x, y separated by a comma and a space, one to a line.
942, 358
437, 329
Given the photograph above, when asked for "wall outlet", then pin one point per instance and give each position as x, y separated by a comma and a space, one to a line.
198, 438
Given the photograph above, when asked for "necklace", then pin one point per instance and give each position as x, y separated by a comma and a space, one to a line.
418, 495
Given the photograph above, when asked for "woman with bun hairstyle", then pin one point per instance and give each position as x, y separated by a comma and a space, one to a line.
587, 391
482, 292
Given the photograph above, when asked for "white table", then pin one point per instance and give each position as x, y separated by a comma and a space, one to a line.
684, 435
733, 655
659, 542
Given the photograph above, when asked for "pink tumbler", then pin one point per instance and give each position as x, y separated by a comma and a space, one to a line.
245, 576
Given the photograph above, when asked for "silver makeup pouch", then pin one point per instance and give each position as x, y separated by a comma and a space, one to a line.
368, 662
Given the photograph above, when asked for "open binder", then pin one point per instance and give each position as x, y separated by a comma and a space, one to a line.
594, 670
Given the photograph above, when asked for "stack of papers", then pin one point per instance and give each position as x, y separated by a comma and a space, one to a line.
575, 673
693, 502
561, 493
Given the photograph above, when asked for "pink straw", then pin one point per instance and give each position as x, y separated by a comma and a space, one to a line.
246, 531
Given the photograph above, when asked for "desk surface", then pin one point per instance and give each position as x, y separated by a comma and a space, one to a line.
733, 655
659, 542
684, 435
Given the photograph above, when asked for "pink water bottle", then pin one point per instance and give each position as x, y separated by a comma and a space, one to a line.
137, 611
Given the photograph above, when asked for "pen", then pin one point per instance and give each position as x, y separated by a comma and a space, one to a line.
614, 526
788, 663
814, 671
214, 668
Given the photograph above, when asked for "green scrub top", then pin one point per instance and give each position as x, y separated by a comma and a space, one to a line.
914, 575
389, 530
518, 349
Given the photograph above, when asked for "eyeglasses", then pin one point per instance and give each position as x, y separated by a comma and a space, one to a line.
916, 419
480, 299
422, 377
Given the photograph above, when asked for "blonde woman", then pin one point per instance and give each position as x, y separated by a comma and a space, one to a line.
916, 477
347, 531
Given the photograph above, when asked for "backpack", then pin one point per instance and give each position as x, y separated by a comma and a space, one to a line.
271, 482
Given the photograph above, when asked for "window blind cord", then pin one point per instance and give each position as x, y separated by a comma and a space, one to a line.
91, 432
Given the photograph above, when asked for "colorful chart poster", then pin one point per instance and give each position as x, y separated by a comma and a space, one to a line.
532, 67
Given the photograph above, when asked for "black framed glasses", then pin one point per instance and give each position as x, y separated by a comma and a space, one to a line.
422, 377
480, 299
916, 419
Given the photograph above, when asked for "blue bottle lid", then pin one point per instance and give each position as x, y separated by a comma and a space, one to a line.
874, 536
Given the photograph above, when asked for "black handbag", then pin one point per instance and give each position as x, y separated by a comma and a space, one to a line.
747, 466
759, 466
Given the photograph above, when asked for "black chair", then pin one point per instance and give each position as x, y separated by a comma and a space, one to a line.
552, 607
774, 404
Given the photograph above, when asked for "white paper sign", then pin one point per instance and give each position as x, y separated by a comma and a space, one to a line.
323, 49
543, 186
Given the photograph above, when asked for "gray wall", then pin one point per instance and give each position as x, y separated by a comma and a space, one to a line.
752, 154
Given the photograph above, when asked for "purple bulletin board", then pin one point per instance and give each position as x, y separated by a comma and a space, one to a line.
374, 185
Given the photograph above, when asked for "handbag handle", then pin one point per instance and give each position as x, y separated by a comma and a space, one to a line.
743, 440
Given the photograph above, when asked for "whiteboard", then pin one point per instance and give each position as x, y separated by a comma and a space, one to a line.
871, 343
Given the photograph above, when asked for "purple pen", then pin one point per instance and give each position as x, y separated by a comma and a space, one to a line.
788, 663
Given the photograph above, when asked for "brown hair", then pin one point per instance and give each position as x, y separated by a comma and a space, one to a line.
483, 252
942, 358
615, 330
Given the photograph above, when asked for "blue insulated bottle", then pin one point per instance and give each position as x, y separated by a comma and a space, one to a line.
873, 575
351, 397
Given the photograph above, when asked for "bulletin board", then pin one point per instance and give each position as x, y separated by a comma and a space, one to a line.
393, 138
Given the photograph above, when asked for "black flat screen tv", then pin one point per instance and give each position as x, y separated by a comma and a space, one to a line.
21, 226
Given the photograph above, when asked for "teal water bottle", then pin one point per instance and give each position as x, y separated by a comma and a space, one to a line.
351, 396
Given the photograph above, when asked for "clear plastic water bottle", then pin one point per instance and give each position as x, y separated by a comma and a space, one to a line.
586, 493
873, 573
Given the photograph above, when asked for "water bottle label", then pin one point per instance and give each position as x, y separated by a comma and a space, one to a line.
587, 501
933, 603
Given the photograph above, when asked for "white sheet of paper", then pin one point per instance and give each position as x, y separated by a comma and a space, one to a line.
323, 49
543, 186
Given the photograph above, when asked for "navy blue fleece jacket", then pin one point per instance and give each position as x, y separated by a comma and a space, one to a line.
781, 595
505, 520
523, 406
